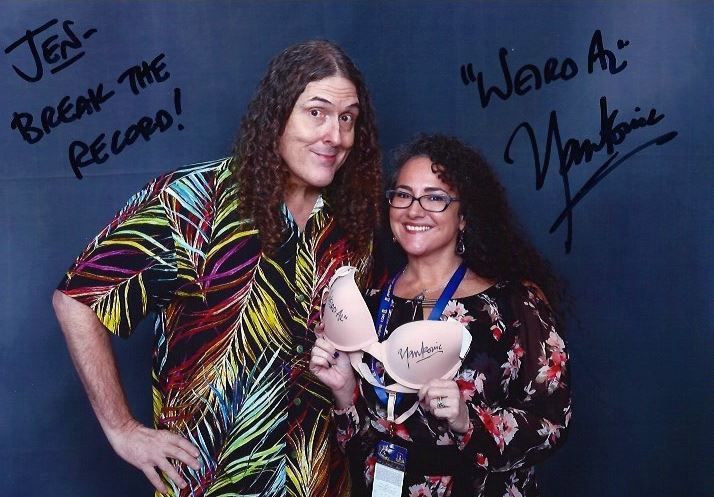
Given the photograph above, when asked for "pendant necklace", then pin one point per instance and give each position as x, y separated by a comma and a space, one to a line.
421, 296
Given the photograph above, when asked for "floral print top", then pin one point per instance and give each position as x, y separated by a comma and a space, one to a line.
515, 382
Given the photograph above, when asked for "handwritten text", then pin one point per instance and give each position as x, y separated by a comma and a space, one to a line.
58, 54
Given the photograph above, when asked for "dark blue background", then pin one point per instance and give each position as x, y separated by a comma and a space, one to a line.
640, 270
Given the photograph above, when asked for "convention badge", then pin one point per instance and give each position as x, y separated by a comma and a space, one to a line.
389, 470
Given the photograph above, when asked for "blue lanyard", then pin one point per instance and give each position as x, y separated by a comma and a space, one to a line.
386, 304
448, 292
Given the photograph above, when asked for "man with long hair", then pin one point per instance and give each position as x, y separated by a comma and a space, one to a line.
232, 256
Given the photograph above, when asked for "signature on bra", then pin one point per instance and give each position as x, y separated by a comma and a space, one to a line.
420, 355
340, 315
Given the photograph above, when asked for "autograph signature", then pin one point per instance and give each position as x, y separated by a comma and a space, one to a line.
574, 152
424, 353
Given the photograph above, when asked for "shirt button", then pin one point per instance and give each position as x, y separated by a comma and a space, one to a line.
300, 298
297, 401
299, 349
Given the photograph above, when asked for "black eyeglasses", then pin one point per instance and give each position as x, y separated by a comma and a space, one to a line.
432, 202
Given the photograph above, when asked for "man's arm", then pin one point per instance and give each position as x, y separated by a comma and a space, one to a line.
89, 345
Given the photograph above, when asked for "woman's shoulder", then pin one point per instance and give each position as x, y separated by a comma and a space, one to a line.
501, 295
489, 291
511, 288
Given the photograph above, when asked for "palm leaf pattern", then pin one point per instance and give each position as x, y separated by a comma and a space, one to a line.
232, 330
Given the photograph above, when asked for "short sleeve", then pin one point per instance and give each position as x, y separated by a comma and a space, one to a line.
129, 269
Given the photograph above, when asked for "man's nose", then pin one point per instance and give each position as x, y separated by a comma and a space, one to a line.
332, 132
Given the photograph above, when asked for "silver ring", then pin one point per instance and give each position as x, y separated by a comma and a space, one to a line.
440, 403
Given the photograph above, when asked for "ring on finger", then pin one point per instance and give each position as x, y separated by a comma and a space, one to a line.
440, 402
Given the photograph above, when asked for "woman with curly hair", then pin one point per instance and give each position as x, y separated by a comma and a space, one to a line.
231, 255
481, 432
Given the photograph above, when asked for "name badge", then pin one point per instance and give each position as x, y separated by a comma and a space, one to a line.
389, 470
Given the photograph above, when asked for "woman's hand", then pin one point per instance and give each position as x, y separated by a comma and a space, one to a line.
442, 398
332, 367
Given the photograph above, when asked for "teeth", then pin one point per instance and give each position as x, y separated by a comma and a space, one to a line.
416, 228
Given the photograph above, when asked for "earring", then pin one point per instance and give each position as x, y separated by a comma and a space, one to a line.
460, 247
394, 239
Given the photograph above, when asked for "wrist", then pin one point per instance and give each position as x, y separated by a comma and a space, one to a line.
461, 426
346, 396
118, 430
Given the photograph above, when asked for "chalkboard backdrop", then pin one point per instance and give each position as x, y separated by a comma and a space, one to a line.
596, 116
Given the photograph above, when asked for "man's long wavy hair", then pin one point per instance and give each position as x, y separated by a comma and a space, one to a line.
496, 247
261, 174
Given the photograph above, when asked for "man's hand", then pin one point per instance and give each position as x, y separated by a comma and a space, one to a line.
92, 355
150, 449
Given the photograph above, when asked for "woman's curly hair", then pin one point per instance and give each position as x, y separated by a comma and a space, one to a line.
260, 173
496, 247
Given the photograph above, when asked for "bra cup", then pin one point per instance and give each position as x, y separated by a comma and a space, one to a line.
414, 354
421, 351
348, 322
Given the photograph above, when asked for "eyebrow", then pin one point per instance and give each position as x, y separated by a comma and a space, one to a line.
428, 189
326, 101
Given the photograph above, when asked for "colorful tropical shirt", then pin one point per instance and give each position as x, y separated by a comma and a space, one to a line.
233, 330
515, 382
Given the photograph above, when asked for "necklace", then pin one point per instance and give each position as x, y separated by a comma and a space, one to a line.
421, 296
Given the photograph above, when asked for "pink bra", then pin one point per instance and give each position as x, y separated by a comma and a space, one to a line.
414, 353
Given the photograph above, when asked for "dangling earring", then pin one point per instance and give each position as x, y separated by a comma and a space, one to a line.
460, 247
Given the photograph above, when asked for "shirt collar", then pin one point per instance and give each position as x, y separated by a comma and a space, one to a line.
287, 215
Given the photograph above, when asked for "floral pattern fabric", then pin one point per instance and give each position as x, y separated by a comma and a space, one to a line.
515, 382
233, 330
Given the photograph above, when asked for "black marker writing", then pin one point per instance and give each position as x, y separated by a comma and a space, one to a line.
574, 152
33, 128
339, 313
66, 111
57, 54
177, 105
144, 74
82, 154
424, 353
530, 77
606, 58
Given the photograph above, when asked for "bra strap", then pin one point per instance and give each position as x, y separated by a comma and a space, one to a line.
391, 402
